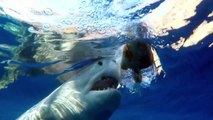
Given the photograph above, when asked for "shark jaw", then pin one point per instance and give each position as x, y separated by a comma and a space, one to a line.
89, 95
101, 88
106, 83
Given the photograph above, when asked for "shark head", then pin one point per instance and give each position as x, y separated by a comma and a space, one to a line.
97, 85
89, 95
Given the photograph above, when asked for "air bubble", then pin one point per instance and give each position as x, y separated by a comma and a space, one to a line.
48, 11
66, 21
32, 30
46, 27
101, 31
59, 26
83, 2
107, 2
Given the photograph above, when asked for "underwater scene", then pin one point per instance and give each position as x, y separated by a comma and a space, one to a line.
106, 60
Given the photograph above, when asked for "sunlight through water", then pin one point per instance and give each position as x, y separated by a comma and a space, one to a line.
55, 35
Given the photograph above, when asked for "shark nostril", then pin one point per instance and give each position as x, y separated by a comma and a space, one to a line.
100, 63
114, 61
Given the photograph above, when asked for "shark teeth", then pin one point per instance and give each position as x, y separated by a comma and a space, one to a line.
106, 83
108, 88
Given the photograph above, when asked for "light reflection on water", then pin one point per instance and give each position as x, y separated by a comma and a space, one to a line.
52, 39
54, 30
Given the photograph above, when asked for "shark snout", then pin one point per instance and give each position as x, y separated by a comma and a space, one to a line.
100, 75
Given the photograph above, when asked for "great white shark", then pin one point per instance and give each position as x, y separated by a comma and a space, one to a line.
89, 95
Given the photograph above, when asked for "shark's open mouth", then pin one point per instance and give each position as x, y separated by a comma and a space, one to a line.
106, 82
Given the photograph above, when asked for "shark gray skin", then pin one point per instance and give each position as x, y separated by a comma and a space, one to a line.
89, 95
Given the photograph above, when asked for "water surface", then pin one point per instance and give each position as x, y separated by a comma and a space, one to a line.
38, 35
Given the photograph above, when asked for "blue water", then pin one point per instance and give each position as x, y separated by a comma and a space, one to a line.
184, 93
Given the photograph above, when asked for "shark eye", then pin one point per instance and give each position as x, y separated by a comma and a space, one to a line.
100, 63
